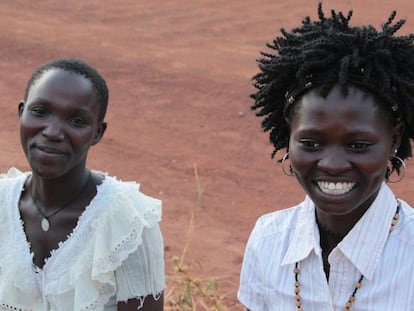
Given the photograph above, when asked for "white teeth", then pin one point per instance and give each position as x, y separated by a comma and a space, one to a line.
335, 188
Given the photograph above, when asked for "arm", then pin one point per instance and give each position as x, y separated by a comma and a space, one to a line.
150, 304
142, 275
250, 293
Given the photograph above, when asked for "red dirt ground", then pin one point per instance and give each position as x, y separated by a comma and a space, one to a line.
179, 76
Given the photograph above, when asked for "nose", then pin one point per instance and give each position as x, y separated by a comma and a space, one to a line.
334, 161
53, 130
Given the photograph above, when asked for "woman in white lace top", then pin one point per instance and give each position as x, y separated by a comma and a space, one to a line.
74, 238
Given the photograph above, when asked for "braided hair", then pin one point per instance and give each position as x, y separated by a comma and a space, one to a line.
79, 67
327, 52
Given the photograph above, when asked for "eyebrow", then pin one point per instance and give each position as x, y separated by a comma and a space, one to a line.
46, 102
351, 133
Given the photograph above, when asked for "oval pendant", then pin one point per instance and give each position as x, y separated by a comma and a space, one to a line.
45, 225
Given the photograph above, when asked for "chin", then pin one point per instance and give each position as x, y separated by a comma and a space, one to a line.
334, 210
46, 172
334, 204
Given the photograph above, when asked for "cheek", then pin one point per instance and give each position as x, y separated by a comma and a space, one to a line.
375, 169
302, 166
79, 139
28, 130
302, 169
28, 123
301, 161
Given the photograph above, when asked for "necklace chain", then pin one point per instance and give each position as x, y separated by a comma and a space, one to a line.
358, 284
45, 225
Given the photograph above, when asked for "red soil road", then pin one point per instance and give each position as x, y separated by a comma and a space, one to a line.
179, 76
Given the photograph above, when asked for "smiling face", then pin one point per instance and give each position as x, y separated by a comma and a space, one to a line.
339, 148
59, 123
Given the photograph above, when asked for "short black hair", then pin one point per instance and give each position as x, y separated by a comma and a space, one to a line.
80, 67
329, 51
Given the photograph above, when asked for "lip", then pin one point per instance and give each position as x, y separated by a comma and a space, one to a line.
49, 150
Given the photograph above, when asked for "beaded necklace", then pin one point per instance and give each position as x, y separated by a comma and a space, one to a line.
358, 284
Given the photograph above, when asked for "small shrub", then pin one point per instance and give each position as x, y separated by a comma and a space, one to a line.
185, 291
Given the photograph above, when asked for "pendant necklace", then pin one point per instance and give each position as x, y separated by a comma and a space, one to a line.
45, 223
358, 284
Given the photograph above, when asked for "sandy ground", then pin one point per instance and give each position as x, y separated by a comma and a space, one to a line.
179, 76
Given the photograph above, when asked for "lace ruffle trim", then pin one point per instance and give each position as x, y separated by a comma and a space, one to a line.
127, 202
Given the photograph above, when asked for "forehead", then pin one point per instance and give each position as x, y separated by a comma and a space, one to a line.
356, 109
59, 81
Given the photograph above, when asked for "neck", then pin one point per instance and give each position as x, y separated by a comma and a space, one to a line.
339, 225
55, 192
328, 234
333, 227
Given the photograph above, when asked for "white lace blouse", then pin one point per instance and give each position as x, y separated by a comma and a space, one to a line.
115, 252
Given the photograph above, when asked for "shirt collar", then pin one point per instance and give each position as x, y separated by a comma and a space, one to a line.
306, 235
364, 244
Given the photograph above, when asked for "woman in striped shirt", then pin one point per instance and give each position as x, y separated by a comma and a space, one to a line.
340, 100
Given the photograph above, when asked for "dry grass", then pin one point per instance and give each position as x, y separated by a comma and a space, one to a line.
185, 290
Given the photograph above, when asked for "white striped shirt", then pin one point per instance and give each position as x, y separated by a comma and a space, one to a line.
282, 238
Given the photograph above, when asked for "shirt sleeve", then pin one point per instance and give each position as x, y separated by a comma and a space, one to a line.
142, 273
250, 292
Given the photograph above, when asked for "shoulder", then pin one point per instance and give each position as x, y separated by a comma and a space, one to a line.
11, 186
278, 222
274, 231
112, 186
120, 207
136, 251
125, 198
12, 176
268, 244
406, 224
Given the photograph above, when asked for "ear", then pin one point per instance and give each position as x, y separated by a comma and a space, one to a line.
20, 108
99, 133
397, 134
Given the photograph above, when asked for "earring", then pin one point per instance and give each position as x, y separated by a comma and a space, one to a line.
290, 172
400, 173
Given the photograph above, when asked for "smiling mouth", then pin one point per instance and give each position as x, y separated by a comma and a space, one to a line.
50, 150
337, 188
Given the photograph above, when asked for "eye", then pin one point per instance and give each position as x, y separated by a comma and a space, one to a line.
359, 146
309, 144
77, 122
39, 112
